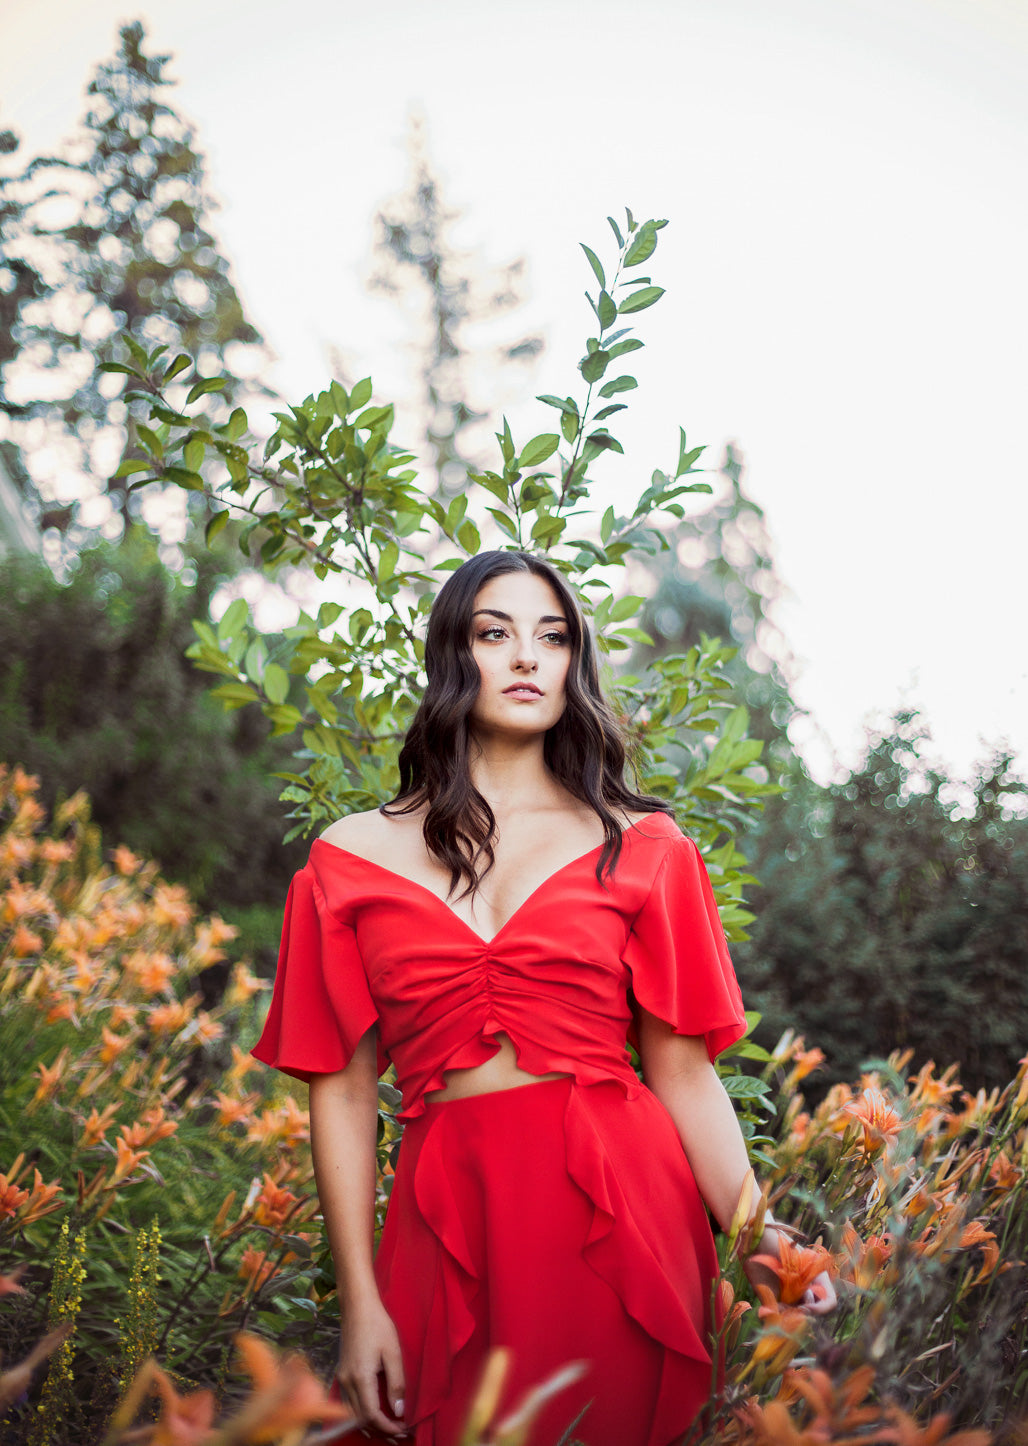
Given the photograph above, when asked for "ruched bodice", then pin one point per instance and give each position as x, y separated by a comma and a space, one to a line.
363, 945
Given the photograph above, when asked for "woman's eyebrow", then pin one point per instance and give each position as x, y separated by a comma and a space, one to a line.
506, 617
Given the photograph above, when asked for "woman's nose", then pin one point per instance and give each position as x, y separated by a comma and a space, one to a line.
525, 659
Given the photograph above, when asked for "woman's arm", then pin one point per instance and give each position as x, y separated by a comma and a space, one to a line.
678, 1071
344, 1123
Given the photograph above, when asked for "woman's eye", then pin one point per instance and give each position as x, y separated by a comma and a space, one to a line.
490, 633
559, 638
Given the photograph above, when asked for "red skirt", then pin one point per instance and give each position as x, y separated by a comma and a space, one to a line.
562, 1222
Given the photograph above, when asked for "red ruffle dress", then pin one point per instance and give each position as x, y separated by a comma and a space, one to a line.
560, 1219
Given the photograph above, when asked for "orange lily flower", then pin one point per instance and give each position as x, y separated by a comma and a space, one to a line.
9, 1283
274, 1205
41, 1200
244, 985
94, 1131
797, 1267
169, 1018
50, 1076
232, 1109
287, 1394
255, 1266
905, 1431
1004, 1175
975, 1235
125, 861
879, 1122
184, 1420
171, 906
153, 972
242, 1064
12, 1197
114, 1045
128, 1158
25, 942
206, 1028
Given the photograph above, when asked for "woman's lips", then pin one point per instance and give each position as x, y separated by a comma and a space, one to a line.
522, 690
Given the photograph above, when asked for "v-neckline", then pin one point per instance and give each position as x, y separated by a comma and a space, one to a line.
424, 889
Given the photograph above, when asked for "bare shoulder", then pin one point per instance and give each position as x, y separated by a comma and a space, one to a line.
369, 832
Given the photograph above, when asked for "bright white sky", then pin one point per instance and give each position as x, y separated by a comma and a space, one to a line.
847, 292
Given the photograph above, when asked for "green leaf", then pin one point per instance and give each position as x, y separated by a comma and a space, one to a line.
639, 300
606, 412
235, 617
133, 464
606, 310
205, 385
569, 425
276, 683
625, 607
503, 521
607, 524
606, 441
235, 695
467, 536
216, 525
191, 481
632, 344
180, 364
537, 450
617, 234
119, 367
563, 404
361, 394
237, 424
390, 556
619, 384
594, 262
594, 365
150, 440
193, 454
506, 442
643, 245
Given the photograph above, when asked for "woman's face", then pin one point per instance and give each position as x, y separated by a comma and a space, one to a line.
521, 641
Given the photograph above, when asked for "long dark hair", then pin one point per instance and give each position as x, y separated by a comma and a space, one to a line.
584, 750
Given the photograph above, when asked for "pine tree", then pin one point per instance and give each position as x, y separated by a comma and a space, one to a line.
415, 255
112, 235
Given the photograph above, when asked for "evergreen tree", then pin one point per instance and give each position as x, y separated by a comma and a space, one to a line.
96, 693
894, 913
416, 259
111, 236
718, 578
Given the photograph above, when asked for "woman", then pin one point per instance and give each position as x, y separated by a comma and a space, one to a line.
498, 931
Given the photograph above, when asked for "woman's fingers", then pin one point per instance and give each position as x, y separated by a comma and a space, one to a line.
820, 1299
373, 1405
392, 1363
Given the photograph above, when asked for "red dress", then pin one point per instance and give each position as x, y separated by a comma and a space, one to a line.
559, 1219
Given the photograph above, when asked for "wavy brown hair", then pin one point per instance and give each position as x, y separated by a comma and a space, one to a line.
585, 749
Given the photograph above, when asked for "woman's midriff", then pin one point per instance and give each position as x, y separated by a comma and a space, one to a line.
500, 1072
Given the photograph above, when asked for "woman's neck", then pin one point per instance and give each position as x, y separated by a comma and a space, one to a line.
511, 775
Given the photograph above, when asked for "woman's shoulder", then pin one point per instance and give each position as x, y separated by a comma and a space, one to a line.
353, 829
392, 841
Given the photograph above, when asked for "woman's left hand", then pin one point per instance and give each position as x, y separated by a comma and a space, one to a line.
819, 1298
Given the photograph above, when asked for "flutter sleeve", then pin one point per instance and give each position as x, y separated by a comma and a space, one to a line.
321, 1006
677, 954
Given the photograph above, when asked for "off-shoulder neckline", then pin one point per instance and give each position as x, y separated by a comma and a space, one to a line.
511, 918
